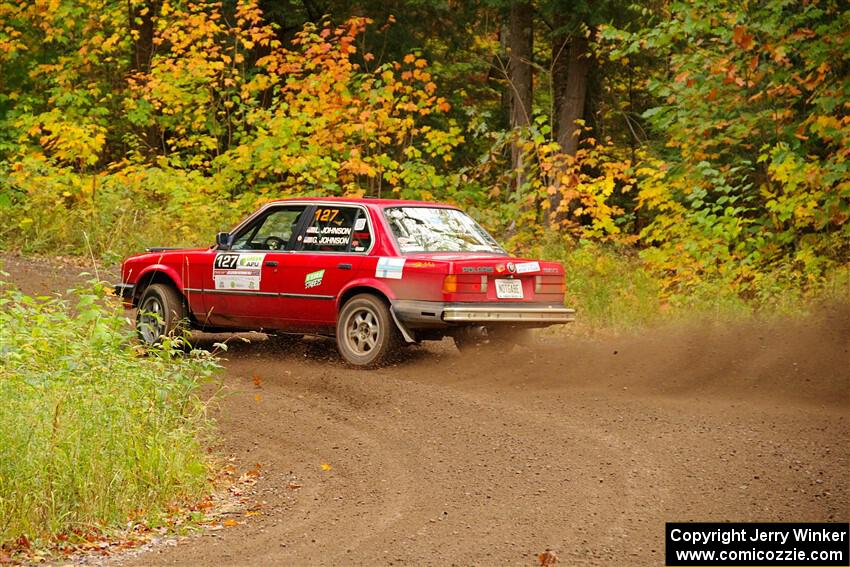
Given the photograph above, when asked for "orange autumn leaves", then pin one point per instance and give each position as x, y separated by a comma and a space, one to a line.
314, 115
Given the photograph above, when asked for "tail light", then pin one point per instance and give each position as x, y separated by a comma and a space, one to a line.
450, 284
464, 284
546, 284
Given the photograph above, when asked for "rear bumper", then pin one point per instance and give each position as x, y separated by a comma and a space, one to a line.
434, 314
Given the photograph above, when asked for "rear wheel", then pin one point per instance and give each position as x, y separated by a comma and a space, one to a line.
365, 332
162, 313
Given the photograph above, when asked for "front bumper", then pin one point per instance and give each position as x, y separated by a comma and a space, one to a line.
434, 314
124, 291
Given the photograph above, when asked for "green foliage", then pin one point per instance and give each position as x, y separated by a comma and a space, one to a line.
749, 172
221, 119
587, 184
713, 150
607, 284
91, 431
60, 211
613, 289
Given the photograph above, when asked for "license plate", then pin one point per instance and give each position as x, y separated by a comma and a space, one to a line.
509, 289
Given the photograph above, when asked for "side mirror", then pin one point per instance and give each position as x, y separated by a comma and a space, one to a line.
224, 240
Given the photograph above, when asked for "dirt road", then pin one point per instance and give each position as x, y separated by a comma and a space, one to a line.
583, 446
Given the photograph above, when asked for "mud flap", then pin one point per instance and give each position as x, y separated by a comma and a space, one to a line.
407, 335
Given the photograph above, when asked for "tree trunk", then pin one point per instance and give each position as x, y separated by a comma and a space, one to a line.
569, 80
141, 22
574, 95
504, 72
142, 16
520, 44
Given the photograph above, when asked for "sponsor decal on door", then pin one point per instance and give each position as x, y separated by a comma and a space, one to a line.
238, 272
314, 279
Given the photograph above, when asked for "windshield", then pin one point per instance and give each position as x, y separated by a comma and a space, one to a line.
426, 229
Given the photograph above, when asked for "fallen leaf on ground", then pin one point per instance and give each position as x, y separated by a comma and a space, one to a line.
548, 558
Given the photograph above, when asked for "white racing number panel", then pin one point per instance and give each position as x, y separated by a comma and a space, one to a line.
509, 289
238, 272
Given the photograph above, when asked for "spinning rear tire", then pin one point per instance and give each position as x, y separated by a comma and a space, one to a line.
365, 332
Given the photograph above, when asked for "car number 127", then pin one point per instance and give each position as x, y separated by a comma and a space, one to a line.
509, 289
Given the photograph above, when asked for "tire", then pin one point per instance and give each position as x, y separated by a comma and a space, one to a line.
492, 341
162, 313
366, 334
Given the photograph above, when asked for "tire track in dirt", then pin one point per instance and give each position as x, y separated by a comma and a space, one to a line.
454, 480
579, 449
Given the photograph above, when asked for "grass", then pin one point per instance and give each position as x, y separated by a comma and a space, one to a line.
612, 289
609, 289
91, 431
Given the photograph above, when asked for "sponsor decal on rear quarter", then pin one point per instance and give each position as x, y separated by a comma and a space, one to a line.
390, 268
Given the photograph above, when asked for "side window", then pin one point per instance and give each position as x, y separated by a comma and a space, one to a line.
361, 238
337, 229
273, 231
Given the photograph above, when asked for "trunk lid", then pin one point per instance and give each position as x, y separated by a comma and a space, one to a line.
495, 278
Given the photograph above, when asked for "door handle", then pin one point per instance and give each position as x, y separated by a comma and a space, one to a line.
271, 264
344, 266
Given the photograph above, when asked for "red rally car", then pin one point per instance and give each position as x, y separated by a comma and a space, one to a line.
374, 273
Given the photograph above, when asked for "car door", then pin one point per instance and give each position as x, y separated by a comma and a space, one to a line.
326, 256
243, 290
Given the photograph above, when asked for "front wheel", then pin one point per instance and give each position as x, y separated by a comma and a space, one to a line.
365, 332
162, 312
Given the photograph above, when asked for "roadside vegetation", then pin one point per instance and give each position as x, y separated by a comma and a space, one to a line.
93, 433
615, 290
680, 157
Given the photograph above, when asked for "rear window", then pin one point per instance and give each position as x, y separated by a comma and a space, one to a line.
433, 229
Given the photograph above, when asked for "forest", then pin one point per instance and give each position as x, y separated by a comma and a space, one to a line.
670, 152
